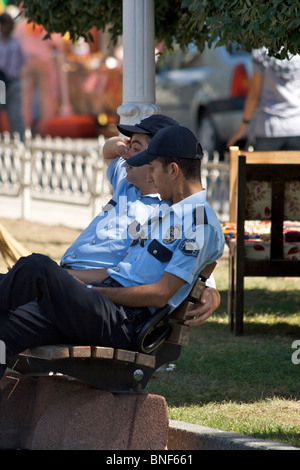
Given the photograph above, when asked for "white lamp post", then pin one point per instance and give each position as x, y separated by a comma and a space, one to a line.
138, 61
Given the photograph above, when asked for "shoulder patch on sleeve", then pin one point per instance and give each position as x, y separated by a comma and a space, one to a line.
189, 247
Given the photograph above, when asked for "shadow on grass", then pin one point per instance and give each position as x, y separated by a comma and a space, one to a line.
256, 329
285, 301
279, 328
276, 311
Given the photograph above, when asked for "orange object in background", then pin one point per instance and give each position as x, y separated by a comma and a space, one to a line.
240, 82
4, 123
75, 126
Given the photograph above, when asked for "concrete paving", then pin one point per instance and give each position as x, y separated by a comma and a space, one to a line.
50, 212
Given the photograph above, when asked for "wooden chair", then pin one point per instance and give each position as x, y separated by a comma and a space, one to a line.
253, 157
280, 179
118, 370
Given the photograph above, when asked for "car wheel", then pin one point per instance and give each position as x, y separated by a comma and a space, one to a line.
207, 134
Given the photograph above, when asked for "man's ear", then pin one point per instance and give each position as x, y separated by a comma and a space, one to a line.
173, 170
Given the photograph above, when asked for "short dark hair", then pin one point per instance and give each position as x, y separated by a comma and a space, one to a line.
191, 168
5, 18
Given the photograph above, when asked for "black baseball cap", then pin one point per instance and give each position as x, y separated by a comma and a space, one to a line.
176, 142
149, 125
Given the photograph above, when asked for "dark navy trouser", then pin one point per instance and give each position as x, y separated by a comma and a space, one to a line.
68, 312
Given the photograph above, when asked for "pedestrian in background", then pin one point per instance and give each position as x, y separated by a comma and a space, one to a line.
272, 106
44, 78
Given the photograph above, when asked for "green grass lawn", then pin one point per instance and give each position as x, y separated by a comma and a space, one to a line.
245, 384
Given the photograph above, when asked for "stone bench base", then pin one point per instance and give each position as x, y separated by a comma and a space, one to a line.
55, 413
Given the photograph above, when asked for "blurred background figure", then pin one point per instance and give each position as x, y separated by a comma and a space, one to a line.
11, 64
45, 87
272, 105
68, 89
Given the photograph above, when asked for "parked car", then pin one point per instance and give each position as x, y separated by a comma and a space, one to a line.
205, 91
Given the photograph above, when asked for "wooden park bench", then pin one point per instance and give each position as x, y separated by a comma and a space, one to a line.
118, 370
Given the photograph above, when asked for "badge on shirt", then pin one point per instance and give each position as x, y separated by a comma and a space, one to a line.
173, 233
189, 247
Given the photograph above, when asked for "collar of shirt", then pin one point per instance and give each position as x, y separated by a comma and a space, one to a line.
154, 196
189, 202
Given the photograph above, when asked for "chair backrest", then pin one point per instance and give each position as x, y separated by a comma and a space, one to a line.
281, 183
278, 157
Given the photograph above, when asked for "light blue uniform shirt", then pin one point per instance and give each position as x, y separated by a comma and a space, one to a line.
180, 239
106, 240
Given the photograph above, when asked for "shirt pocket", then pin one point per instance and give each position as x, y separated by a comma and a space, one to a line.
159, 251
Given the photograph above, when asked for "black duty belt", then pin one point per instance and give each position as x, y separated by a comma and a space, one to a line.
109, 282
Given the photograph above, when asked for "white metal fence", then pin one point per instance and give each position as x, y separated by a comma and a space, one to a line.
72, 172
215, 178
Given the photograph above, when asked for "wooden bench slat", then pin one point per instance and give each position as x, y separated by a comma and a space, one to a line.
197, 290
124, 355
145, 360
80, 351
48, 352
179, 313
180, 334
207, 271
103, 352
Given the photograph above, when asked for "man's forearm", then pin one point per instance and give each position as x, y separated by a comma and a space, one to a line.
114, 147
128, 296
147, 295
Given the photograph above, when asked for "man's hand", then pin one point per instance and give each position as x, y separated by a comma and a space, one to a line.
115, 147
239, 134
209, 302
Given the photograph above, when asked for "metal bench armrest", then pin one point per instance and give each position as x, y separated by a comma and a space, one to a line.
154, 331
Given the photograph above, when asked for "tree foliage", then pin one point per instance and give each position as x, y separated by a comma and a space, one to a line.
77, 17
251, 23
274, 24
